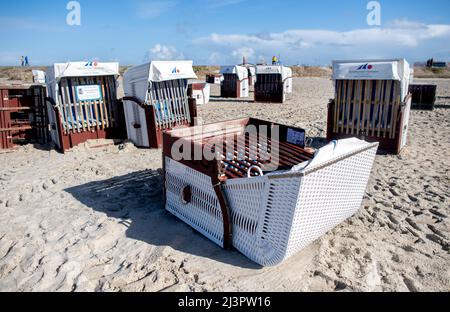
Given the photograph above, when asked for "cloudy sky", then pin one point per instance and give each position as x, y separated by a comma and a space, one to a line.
222, 31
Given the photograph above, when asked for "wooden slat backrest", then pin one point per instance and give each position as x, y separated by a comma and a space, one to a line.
368, 107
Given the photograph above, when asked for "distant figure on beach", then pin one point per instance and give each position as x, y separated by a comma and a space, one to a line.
26, 61
274, 60
22, 61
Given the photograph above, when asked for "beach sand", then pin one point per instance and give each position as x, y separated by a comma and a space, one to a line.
93, 219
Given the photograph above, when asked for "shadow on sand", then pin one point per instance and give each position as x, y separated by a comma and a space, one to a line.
136, 200
443, 106
218, 99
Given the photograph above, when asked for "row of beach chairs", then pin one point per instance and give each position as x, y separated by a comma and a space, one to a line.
271, 82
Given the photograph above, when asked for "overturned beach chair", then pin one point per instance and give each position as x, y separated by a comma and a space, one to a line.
156, 99
82, 103
423, 96
235, 82
273, 83
259, 189
372, 102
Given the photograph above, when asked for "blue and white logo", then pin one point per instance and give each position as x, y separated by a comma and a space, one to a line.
365, 67
91, 64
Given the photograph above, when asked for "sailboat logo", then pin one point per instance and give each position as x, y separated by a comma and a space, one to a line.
175, 71
365, 67
91, 64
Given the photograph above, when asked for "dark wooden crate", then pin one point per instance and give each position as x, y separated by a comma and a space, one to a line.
423, 96
23, 115
269, 88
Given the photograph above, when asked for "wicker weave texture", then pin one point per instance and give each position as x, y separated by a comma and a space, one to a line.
328, 197
203, 213
273, 217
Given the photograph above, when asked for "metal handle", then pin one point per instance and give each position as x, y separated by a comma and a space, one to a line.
186, 195
249, 171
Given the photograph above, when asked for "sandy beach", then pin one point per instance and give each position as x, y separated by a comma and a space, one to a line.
93, 219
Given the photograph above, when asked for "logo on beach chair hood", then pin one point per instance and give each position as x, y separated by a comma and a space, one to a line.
175, 71
365, 67
91, 64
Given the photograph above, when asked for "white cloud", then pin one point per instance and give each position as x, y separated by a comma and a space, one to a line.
152, 9
406, 24
400, 38
246, 52
214, 58
163, 53
222, 3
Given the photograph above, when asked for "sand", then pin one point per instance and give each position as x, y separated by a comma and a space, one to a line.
93, 219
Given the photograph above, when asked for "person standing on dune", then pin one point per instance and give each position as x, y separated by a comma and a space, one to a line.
26, 61
274, 60
22, 61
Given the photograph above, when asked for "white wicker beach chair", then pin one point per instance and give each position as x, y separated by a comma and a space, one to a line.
276, 215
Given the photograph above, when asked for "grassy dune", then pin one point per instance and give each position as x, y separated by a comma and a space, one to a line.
423, 72
24, 73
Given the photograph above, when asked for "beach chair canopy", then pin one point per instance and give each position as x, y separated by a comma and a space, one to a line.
284, 71
241, 71
138, 79
390, 69
395, 69
81, 69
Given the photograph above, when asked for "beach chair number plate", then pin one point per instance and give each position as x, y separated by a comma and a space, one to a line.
88, 93
296, 137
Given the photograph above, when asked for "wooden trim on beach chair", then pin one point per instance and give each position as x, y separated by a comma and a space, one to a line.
155, 133
78, 121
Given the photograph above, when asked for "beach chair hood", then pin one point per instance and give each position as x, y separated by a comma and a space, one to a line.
171, 70
284, 71
390, 69
396, 69
81, 69
241, 71
137, 79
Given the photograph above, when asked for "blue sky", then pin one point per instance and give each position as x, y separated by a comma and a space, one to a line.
222, 31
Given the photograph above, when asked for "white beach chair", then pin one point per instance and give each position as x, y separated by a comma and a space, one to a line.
274, 216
